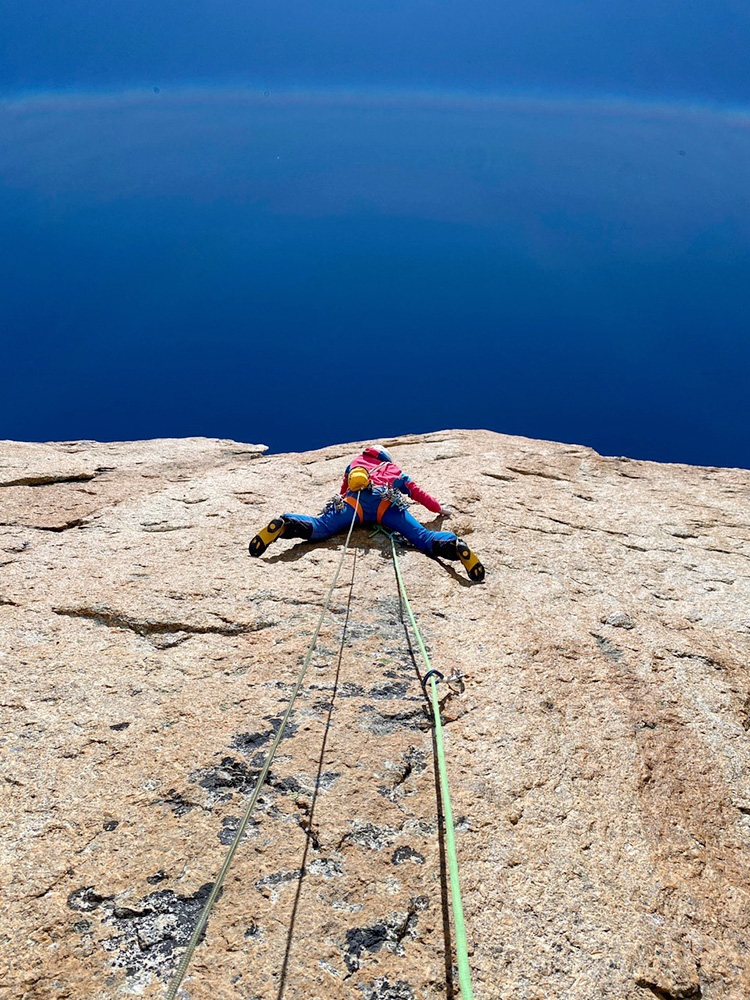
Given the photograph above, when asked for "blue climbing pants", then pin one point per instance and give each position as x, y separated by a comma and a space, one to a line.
333, 522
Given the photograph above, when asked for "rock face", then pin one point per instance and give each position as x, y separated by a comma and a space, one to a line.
598, 756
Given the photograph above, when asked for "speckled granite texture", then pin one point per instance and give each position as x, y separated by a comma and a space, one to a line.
598, 756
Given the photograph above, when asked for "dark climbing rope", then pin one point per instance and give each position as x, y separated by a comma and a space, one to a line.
462, 954
216, 889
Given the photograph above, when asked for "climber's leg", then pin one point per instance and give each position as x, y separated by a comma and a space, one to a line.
433, 543
421, 538
327, 524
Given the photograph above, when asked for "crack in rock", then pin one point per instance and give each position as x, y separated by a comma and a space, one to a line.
499, 475
162, 526
144, 627
50, 479
707, 661
537, 472
77, 522
413, 762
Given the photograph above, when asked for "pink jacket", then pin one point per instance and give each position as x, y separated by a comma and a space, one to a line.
383, 472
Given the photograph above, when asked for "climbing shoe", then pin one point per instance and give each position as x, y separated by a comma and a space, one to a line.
265, 536
445, 547
470, 561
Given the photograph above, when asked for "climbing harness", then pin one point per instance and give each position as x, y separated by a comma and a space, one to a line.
431, 677
216, 889
354, 503
462, 954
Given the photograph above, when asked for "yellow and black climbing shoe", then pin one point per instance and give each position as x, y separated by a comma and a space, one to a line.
265, 536
470, 561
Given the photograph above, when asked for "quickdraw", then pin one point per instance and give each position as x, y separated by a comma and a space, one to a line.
336, 503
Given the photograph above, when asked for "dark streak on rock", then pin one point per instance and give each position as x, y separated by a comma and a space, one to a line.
608, 648
229, 774
229, 827
85, 900
176, 802
287, 786
275, 879
388, 933
392, 689
662, 993
382, 989
249, 742
149, 932
289, 730
384, 723
706, 660
406, 853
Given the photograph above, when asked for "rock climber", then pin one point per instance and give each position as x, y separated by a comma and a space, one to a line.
376, 489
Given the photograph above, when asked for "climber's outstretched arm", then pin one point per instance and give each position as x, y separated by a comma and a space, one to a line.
407, 485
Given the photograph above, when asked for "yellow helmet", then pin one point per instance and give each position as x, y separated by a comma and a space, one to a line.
358, 479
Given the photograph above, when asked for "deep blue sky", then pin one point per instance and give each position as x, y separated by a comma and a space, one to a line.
300, 223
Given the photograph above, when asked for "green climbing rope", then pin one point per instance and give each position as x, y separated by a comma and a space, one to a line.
462, 954
216, 889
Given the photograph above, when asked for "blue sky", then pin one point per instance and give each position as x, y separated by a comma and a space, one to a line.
302, 223
671, 48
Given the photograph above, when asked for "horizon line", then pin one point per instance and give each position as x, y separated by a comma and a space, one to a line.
424, 97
